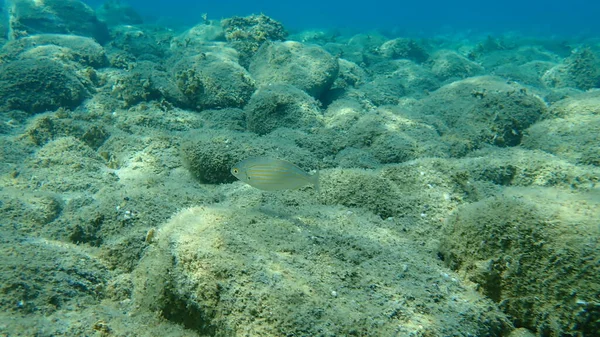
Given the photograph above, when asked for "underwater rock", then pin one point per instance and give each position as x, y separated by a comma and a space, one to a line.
416, 79
32, 211
536, 260
350, 75
247, 34
67, 164
577, 143
351, 157
213, 81
3, 26
233, 270
210, 155
65, 48
202, 38
281, 105
530, 73
581, 70
484, 110
360, 49
28, 17
37, 85
318, 37
44, 276
383, 90
49, 126
393, 135
403, 48
448, 64
198, 35
514, 56
233, 119
145, 43
145, 81
572, 130
361, 188
309, 68
577, 104
527, 168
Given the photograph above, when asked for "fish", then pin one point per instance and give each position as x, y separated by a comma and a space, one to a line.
270, 174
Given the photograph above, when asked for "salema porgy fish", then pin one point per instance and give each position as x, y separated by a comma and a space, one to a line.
270, 174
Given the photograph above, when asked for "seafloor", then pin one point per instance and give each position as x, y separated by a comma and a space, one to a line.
458, 180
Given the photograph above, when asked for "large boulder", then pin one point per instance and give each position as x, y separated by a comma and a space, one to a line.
309, 68
480, 110
37, 85
82, 50
534, 252
247, 34
580, 70
234, 270
282, 105
212, 80
28, 17
448, 64
571, 131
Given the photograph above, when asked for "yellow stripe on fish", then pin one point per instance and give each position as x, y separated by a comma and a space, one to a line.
271, 174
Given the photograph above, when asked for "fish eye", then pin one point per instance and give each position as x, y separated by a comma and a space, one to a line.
235, 171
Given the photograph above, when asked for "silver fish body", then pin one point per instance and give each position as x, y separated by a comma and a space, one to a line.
269, 174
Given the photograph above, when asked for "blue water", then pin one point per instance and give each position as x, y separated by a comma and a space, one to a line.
556, 17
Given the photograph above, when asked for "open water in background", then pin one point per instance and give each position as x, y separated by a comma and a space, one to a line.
537, 17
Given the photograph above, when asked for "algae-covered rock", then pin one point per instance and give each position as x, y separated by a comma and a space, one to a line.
235, 270
36, 85
581, 70
65, 48
361, 49
144, 42
536, 259
350, 75
361, 189
577, 104
233, 119
74, 17
281, 105
32, 211
383, 90
530, 73
416, 79
484, 110
448, 64
209, 156
532, 168
46, 127
503, 54
575, 138
44, 276
393, 135
309, 68
403, 48
65, 165
247, 34
571, 129
211, 81
200, 39
146, 81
